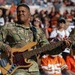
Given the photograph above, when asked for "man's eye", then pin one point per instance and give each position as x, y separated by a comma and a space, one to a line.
21, 11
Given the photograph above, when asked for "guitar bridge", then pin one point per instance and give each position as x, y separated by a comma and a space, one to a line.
12, 68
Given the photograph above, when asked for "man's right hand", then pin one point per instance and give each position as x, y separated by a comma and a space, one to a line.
8, 51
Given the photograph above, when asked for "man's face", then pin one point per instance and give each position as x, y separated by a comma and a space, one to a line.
23, 14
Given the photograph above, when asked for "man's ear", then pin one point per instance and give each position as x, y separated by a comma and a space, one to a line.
29, 16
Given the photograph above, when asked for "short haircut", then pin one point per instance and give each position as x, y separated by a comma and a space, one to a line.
24, 5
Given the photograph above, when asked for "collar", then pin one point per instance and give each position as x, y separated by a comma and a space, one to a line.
23, 26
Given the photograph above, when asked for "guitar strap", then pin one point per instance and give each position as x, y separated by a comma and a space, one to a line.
34, 39
34, 32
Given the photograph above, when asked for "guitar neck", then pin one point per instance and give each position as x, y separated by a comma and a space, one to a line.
47, 47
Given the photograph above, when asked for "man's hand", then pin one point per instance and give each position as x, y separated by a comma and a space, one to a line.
68, 42
8, 51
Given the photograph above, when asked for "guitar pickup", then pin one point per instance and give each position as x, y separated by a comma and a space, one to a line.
3, 62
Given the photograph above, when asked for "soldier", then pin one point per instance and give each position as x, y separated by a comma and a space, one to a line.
19, 34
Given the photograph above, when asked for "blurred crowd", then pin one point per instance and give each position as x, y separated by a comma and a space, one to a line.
57, 21
51, 9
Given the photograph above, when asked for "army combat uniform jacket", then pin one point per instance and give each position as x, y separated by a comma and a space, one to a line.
17, 35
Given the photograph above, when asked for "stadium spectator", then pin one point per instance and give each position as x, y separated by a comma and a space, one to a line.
2, 21
69, 58
54, 65
60, 34
12, 12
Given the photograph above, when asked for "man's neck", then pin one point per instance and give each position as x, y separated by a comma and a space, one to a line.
25, 24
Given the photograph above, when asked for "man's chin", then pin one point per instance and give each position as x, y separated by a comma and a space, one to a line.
20, 21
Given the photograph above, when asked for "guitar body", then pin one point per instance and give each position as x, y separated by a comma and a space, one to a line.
6, 70
9, 66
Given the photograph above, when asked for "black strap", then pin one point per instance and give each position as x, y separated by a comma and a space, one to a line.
34, 32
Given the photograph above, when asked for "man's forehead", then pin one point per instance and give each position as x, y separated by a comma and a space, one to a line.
23, 5
22, 8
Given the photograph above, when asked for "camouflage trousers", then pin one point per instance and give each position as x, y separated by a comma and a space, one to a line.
23, 72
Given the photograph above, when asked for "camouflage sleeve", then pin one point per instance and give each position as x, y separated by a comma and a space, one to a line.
3, 34
41, 37
2, 46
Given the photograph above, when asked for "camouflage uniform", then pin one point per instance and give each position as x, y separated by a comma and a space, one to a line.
17, 35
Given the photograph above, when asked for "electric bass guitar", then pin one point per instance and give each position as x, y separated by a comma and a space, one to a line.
21, 55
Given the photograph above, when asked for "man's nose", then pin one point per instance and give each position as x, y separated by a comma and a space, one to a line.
20, 12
